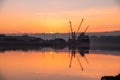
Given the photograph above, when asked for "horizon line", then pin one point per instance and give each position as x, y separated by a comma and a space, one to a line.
58, 32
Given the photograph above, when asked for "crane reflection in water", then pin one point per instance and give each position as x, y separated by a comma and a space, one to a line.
82, 51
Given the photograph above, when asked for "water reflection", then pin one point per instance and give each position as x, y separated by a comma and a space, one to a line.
81, 52
70, 63
73, 49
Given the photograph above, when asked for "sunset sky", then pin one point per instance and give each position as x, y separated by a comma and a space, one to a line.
38, 16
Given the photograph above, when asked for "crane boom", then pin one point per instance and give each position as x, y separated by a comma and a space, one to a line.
80, 25
86, 29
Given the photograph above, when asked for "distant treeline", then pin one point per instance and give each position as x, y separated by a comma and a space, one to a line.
97, 39
112, 42
24, 40
100, 42
19, 38
108, 39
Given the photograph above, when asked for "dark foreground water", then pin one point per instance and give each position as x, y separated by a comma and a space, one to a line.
58, 65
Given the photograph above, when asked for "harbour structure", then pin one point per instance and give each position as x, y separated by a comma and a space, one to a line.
79, 39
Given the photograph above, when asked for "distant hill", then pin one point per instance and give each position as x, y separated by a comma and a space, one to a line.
66, 35
111, 33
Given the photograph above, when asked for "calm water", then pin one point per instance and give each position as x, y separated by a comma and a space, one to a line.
55, 65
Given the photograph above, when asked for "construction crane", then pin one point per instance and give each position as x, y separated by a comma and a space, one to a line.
73, 33
82, 34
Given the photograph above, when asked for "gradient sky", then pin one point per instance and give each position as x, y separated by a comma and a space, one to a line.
38, 16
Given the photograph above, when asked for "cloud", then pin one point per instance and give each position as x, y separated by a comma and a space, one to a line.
118, 2
1, 3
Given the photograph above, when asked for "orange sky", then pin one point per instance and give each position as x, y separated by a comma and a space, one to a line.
26, 18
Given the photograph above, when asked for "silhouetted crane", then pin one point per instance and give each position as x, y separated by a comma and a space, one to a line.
74, 33
77, 41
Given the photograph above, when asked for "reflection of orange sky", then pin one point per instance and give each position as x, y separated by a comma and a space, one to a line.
52, 63
99, 20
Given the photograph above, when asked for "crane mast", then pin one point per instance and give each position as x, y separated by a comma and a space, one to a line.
73, 34
71, 27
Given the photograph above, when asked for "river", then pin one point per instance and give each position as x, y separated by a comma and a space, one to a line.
50, 64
